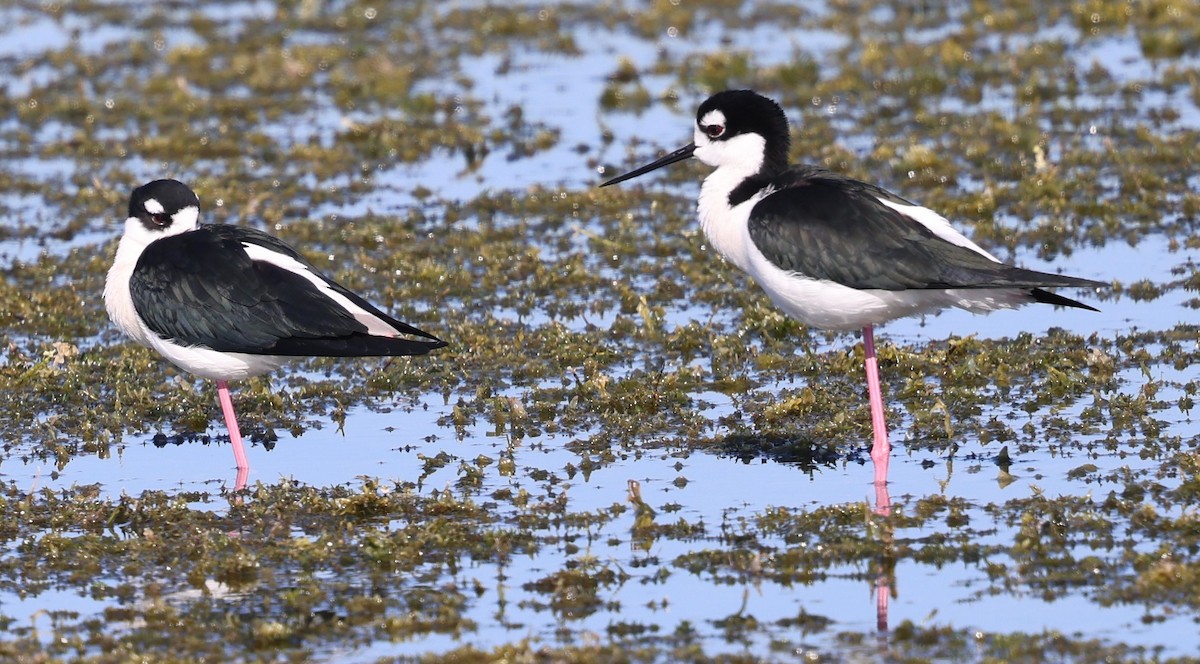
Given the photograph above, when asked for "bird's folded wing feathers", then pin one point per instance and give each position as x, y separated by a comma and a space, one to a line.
203, 288
825, 226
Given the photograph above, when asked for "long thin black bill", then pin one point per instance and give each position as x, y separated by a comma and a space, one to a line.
678, 155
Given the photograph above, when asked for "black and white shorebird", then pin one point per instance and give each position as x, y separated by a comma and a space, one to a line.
833, 252
225, 302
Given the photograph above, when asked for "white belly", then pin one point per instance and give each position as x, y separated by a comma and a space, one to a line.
831, 306
215, 365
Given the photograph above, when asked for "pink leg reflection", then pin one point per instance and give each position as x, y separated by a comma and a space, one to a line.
887, 563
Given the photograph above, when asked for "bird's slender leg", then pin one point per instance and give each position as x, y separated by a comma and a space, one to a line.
880, 450
235, 435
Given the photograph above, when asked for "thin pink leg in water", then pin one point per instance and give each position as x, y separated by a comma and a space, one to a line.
235, 435
880, 450
880, 455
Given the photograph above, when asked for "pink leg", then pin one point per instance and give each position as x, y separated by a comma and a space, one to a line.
880, 450
242, 475
235, 436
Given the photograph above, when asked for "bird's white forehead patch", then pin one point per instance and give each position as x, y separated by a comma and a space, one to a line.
713, 117
153, 206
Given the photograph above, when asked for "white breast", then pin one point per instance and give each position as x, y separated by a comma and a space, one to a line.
117, 298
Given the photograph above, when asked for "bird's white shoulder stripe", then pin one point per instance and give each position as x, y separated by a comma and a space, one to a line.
374, 324
938, 225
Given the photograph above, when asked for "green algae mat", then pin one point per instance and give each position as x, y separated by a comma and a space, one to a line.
626, 453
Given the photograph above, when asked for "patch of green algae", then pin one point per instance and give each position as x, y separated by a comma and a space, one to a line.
606, 316
288, 570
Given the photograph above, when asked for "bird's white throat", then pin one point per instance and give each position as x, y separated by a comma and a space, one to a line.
736, 159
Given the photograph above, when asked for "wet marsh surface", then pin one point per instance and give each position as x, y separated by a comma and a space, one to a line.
626, 453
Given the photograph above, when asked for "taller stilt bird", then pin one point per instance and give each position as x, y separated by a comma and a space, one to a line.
833, 252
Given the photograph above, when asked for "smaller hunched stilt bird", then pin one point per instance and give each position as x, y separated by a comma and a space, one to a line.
225, 302
831, 251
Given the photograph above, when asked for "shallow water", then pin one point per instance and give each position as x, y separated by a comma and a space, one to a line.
502, 244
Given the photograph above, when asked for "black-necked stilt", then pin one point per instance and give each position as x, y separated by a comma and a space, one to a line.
833, 252
225, 302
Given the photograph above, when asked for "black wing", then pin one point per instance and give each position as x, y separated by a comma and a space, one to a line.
828, 226
200, 288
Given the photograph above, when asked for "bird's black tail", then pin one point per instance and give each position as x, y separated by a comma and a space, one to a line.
354, 345
1046, 297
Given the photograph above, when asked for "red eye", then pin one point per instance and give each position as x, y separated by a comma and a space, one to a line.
713, 130
160, 219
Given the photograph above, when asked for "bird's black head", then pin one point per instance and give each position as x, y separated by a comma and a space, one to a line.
739, 129
165, 205
727, 116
